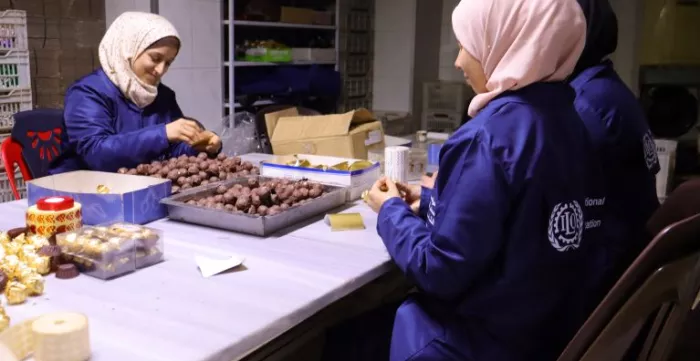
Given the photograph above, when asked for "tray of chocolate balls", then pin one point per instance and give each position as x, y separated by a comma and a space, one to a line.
190, 172
254, 205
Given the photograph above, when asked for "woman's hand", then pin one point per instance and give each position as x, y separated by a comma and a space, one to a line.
411, 194
182, 130
381, 191
428, 181
208, 142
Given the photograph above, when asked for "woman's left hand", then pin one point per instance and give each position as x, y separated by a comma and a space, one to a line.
212, 145
383, 190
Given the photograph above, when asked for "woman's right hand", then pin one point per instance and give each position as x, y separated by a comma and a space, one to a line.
182, 130
410, 194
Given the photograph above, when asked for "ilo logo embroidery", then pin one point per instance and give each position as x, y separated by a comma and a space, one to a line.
566, 226
650, 156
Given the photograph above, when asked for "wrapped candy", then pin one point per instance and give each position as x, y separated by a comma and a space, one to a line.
9, 265
12, 248
16, 293
34, 283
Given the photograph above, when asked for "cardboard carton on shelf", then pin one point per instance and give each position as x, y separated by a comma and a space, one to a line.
133, 199
349, 135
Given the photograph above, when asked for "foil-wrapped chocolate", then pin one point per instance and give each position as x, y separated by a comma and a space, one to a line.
102, 189
4, 320
34, 283
41, 264
9, 265
16, 293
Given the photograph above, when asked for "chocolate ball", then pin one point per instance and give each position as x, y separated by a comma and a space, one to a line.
229, 207
255, 200
172, 175
219, 198
185, 186
252, 210
192, 169
255, 171
219, 206
182, 164
204, 182
253, 183
315, 192
284, 206
262, 210
221, 189
122, 170
164, 172
243, 173
142, 168
222, 175
202, 155
132, 172
213, 169
203, 165
192, 202
213, 179
229, 198
192, 159
304, 193
243, 202
196, 179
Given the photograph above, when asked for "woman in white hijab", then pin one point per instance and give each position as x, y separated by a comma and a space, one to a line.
121, 115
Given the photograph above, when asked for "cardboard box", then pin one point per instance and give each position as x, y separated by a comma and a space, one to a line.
357, 181
294, 15
132, 199
348, 135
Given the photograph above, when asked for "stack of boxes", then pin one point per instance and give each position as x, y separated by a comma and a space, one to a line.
356, 37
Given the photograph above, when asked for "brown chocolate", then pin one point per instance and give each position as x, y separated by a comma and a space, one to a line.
67, 271
16, 232
3, 281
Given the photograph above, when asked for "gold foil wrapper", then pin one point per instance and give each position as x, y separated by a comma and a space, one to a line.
38, 241
341, 166
12, 248
23, 271
102, 189
34, 284
4, 238
360, 164
16, 293
40, 264
27, 251
9, 265
4, 321
21, 239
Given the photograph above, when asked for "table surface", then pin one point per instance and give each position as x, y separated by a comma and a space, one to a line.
170, 312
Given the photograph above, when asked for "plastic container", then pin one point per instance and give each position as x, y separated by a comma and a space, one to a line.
148, 242
357, 87
356, 65
112, 250
349, 104
441, 121
6, 194
13, 31
445, 97
12, 102
354, 43
14, 71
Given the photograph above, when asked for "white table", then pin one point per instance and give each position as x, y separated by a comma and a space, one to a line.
170, 312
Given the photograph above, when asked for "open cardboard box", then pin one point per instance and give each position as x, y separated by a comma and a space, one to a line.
349, 135
357, 181
133, 199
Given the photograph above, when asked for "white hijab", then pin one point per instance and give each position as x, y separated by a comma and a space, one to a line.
130, 35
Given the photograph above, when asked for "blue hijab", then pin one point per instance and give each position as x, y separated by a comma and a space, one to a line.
601, 33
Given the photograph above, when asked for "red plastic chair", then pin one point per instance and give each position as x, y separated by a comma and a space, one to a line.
37, 139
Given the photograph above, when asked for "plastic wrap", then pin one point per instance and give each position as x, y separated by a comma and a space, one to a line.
239, 134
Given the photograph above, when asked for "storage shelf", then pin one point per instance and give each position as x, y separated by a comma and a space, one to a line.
255, 104
294, 63
270, 24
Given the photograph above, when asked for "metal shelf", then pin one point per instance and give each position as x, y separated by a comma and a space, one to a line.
255, 104
294, 63
270, 24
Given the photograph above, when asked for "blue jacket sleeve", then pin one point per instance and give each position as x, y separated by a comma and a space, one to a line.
89, 124
468, 220
424, 202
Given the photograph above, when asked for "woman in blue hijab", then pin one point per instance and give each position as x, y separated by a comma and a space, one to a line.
619, 131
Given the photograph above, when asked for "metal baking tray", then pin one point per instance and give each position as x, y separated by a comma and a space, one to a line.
245, 223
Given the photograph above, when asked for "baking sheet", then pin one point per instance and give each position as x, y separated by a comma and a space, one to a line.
244, 223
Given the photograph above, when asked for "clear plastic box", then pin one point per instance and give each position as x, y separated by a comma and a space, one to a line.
112, 250
149, 247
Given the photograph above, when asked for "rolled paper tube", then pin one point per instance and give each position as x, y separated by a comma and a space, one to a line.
396, 163
51, 337
54, 215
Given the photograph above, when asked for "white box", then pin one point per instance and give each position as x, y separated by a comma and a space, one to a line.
357, 181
